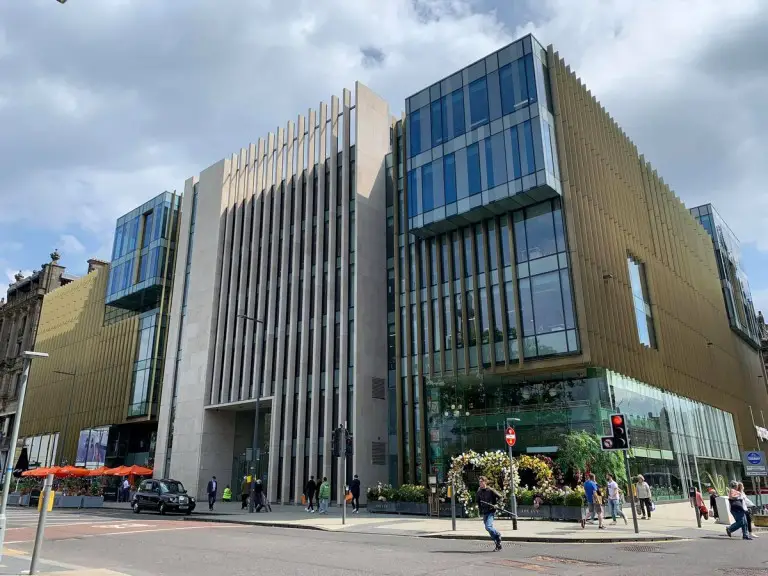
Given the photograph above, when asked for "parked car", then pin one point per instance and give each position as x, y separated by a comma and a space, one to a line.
162, 496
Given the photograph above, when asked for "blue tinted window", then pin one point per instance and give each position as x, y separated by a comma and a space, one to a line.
427, 195
530, 166
143, 268
489, 163
514, 151
457, 102
449, 178
473, 169
414, 132
436, 112
531, 79
118, 243
146, 237
412, 191
514, 86
478, 102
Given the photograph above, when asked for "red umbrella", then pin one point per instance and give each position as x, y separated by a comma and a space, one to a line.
119, 471
35, 473
139, 471
100, 471
69, 471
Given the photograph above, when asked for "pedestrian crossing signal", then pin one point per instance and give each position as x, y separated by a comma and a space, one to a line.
619, 438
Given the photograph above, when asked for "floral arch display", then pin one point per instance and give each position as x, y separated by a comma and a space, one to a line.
543, 500
494, 465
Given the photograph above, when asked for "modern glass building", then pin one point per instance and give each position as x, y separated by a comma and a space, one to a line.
736, 292
540, 269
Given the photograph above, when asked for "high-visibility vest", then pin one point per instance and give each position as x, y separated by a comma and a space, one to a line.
227, 493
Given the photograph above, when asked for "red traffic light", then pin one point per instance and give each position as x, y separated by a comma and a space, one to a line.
617, 420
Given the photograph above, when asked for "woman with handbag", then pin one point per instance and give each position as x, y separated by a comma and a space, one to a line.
644, 496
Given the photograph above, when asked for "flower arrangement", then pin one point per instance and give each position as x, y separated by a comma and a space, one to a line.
494, 465
405, 493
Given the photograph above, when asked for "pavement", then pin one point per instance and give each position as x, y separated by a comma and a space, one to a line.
673, 521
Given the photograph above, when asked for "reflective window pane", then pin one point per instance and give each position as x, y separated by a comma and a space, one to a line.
478, 102
473, 169
449, 178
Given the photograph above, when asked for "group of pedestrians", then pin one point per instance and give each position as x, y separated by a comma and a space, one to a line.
611, 495
322, 494
740, 505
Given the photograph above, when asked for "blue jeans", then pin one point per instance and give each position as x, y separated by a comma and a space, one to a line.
488, 521
616, 509
324, 506
741, 521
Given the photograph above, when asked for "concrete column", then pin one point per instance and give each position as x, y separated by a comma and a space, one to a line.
222, 292
254, 291
318, 306
306, 180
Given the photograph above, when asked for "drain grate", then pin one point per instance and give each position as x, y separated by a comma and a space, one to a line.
645, 548
569, 561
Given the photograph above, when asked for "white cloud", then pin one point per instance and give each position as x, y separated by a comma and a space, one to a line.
10, 274
90, 130
69, 244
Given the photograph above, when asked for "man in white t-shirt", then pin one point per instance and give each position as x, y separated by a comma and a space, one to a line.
126, 490
614, 499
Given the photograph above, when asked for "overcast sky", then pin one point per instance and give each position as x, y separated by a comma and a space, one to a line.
106, 103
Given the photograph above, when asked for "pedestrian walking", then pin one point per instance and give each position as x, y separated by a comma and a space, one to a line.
324, 495
309, 493
486, 499
747, 513
354, 489
212, 487
264, 498
590, 486
258, 492
736, 501
713, 503
598, 500
614, 499
245, 490
644, 496
126, 490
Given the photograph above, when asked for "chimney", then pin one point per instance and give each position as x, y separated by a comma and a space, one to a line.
96, 264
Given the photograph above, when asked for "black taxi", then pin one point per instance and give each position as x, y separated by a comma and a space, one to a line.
162, 496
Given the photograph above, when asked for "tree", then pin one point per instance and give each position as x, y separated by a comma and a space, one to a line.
581, 453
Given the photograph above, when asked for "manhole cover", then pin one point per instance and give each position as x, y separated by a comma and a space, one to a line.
569, 561
645, 548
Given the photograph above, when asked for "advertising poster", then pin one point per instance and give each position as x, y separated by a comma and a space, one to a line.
97, 451
82, 447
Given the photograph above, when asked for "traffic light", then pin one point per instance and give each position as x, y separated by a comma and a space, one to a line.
619, 438
348, 449
619, 432
337, 442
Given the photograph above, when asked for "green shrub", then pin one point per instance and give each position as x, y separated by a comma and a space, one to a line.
525, 497
411, 493
573, 499
555, 499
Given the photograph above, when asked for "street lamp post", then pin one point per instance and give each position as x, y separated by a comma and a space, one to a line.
65, 429
28, 357
254, 466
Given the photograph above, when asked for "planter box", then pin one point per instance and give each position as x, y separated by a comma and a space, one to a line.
529, 511
13, 499
415, 508
760, 520
569, 513
378, 507
24, 500
68, 501
93, 501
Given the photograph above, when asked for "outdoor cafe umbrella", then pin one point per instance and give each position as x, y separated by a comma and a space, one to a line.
41, 472
100, 471
70, 471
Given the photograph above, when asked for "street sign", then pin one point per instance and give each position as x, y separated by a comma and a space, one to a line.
510, 437
754, 463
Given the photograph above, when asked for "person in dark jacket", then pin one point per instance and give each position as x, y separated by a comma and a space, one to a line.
245, 490
309, 493
486, 500
258, 493
354, 489
211, 490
